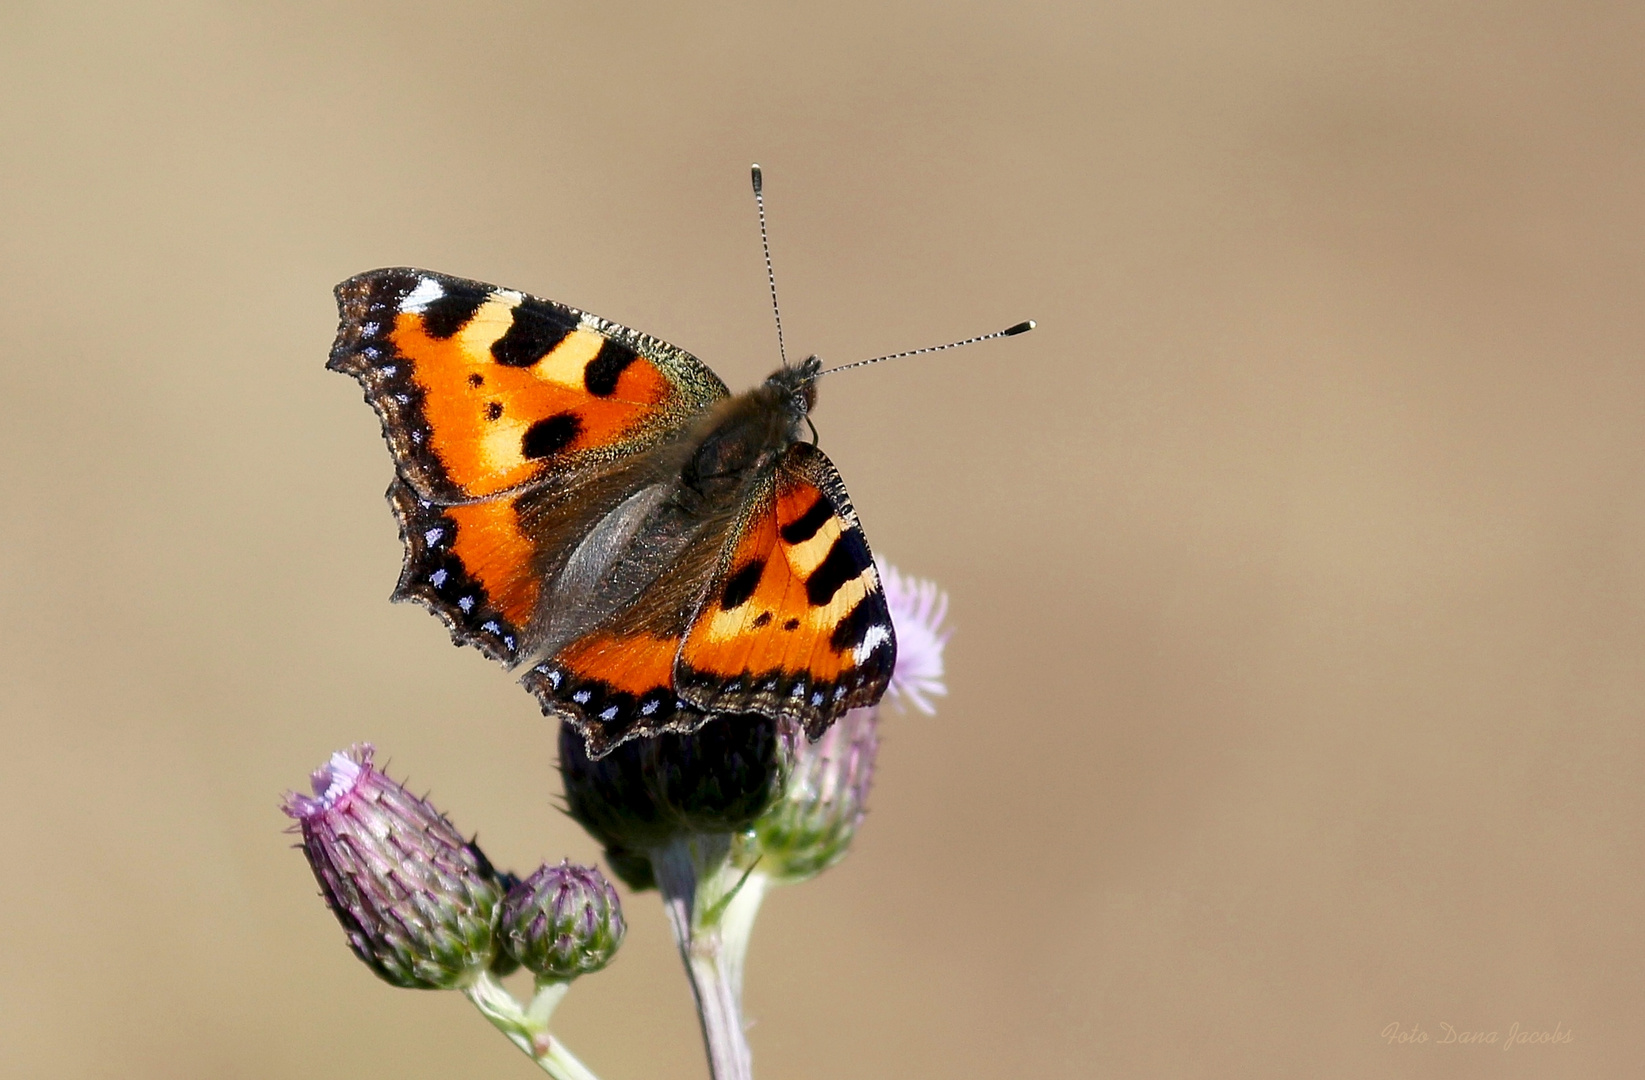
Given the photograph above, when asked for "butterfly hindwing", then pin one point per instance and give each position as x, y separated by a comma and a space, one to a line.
483, 391
469, 564
612, 687
779, 612
795, 623
615, 681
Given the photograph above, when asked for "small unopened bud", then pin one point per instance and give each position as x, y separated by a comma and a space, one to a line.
563, 921
417, 902
810, 828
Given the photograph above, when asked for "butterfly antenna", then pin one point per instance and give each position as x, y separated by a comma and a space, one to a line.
1009, 331
770, 276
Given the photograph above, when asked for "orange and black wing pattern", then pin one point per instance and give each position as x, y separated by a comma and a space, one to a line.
497, 407
484, 391
614, 685
792, 624
795, 624
471, 565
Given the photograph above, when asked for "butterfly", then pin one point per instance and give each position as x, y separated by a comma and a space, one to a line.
591, 504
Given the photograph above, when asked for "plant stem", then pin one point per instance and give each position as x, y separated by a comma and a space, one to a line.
711, 906
737, 926
528, 1028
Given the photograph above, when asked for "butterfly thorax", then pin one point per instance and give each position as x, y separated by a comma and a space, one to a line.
747, 434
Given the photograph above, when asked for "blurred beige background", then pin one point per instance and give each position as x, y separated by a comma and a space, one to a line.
1296, 560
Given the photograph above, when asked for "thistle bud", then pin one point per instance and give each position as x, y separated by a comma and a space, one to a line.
810, 828
722, 776
417, 902
718, 779
561, 922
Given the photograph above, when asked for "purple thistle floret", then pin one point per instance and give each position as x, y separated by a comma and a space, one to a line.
417, 902
563, 921
918, 608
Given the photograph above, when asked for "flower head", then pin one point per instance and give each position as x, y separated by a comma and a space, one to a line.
563, 921
416, 901
918, 608
810, 828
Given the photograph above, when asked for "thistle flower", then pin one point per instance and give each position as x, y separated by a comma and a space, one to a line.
563, 921
416, 901
918, 608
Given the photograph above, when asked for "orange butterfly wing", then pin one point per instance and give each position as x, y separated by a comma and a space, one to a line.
483, 391
495, 405
795, 623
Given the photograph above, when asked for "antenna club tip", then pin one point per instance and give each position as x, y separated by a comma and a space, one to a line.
759, 180
1021, 328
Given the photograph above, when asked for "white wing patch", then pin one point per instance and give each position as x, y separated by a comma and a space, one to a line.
427, 291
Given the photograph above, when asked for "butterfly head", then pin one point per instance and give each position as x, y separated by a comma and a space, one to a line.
796, 387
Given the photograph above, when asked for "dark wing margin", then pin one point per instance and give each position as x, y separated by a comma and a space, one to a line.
436, 575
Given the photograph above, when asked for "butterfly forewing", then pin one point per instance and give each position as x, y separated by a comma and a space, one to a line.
483, 391
515, 424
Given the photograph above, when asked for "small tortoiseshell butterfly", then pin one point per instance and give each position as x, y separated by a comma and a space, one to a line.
592, 503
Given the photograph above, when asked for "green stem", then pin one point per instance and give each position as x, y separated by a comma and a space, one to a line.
737, 926
710, 905
528, 1028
